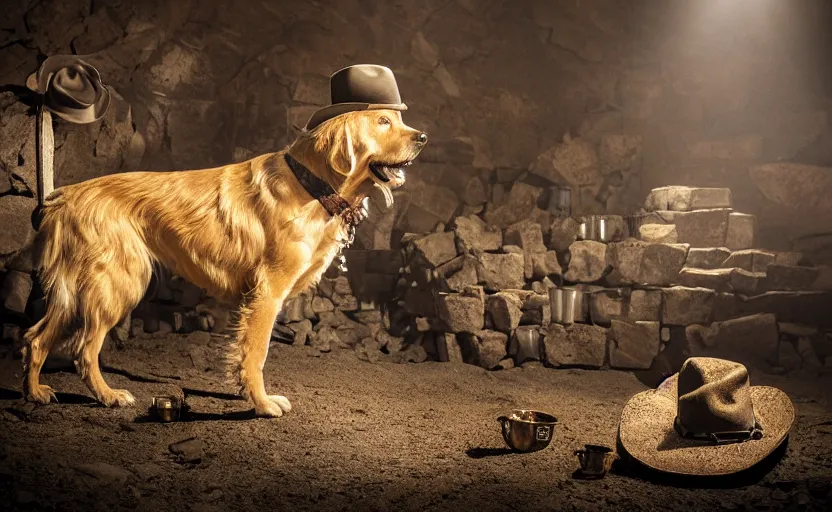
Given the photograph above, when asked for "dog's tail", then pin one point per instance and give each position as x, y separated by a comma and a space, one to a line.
53, 249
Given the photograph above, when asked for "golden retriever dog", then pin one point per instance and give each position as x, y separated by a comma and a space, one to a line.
248, 232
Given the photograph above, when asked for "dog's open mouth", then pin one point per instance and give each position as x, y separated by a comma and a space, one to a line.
390, 174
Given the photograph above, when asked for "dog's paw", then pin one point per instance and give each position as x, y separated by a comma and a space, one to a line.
118, 398
42, 394
281, 402
268, 409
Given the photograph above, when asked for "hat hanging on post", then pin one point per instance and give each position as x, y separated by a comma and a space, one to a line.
359, 87
72, 89
706, 420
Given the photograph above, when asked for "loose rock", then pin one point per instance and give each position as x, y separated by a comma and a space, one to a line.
661, 264
588, 261
577, 345
501, 271
687, 306
633, 346
461, 313
658, 233
789, 278
448, 348
563, 233
485, 348
741, 232
752, 260
473, 234
504, 311
706, 257
751, 340
684, 199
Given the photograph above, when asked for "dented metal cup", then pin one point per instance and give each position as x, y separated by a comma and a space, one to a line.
595, 460
166, 408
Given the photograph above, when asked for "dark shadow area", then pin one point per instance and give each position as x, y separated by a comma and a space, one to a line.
63, 398
630, 467
191, 416
669, 360
211, 394
479, 453
134, 377
10, 394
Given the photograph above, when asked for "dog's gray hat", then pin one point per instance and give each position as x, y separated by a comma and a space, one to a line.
71, 88
359, 87
706, 420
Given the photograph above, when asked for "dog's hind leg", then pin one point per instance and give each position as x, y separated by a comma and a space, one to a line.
110, 293
39, 341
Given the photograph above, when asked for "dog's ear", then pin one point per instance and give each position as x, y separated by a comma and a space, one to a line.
336, 142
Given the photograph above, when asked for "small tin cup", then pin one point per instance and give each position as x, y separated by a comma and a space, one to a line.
595, 460
166, 408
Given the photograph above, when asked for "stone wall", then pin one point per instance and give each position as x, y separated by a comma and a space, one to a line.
610, 98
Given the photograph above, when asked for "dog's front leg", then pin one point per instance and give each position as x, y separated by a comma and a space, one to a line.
253, 337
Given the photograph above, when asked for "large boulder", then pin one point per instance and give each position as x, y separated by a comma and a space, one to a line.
562, 233
687, 306
579, 345
633, 346
661, 264
504, 310
435, 248
752, 340
685, 199
752, 260
501, 271
742, 231
699, 228
473, 234
573, 161
528, 236
461, 313
588, 261
520, 200
484, 348
706, 257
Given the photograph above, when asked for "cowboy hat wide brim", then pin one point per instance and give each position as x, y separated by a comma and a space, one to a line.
65, 104
646, 433
338, 109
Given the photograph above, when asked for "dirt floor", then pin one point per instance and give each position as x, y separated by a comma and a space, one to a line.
361, 436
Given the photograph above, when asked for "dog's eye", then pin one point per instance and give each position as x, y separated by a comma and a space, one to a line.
383, 120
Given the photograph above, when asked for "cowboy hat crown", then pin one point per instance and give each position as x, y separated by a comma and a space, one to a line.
359, 87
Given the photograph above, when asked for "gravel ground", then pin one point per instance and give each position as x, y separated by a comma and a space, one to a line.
361, 436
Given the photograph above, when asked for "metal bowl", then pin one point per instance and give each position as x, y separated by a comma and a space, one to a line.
526, 430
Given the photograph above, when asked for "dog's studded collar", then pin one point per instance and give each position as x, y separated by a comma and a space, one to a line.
332, 202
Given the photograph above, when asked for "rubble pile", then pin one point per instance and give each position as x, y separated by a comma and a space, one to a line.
480, 293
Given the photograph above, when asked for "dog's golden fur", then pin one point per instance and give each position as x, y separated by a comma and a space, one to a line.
247, 232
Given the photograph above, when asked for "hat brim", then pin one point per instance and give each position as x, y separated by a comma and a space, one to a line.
39, 81
332, 111
646, 433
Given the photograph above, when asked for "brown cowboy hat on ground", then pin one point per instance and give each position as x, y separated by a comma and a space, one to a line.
359, 87
706, 420
71, 88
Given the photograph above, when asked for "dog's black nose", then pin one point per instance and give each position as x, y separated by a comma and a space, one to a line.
422, 138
